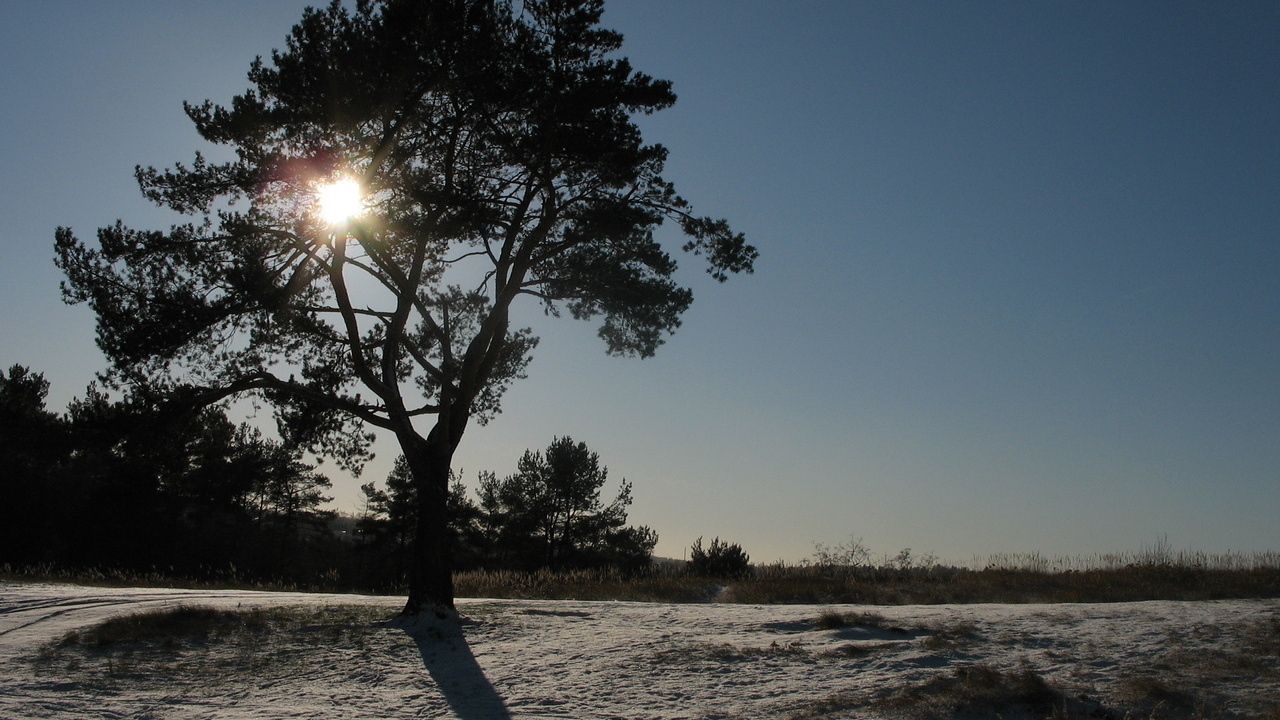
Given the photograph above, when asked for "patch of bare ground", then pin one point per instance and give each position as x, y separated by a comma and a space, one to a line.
199, 646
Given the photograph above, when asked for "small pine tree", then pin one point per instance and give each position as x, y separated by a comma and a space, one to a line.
720, 559
550, 514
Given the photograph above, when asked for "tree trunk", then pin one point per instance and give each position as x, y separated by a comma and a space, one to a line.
431, 568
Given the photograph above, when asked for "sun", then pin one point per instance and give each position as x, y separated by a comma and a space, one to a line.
340, 200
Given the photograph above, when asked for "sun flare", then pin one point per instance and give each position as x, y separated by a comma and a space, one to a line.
340, 201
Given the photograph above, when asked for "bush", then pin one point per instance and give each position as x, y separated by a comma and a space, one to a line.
719, 560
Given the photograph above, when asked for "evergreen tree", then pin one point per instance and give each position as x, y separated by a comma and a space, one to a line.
148, 486
391, 517
490, 141
33, 448
720, 559
550, 514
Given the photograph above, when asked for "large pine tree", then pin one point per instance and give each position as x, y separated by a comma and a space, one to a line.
496, 157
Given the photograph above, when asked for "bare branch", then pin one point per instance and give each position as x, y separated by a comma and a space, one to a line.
352, 326
464, 256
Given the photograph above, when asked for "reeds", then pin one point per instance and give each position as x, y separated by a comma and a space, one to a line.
1153, 573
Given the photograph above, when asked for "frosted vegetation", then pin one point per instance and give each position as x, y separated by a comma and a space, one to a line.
67, 651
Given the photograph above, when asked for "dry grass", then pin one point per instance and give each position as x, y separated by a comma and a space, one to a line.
1188, 679
160, 644
975, 690
602, 584
1158, 554
727, 653
168, 627
831, 620
859, 650
951, 638
980, 691
882, 586
1154, 697
228, 577
1155, 574
938, 585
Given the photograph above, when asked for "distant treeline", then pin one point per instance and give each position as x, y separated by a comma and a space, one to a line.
135, 484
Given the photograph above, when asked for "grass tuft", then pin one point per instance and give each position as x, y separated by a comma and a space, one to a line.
727, 653
1155, 697
191, 624
975, 691
858, 650
155, 644
952, 637
831, 620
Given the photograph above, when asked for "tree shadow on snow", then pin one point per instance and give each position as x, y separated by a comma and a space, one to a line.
447, 657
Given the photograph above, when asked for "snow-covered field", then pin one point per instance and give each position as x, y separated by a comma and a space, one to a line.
567, 659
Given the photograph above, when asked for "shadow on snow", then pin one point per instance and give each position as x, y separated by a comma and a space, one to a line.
447, 657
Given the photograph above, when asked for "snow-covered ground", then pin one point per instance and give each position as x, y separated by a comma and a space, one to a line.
568, 659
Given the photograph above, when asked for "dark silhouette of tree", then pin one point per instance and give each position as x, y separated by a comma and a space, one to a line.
720, 559
498, 159
391, 514
468, 545
391, 518
201, 460
33, 448
131, 484
286, 491
549, 513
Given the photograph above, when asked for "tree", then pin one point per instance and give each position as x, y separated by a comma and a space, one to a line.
33, 445
147, 484
549, 513
391, 517
719, 559
494, 147
285, 489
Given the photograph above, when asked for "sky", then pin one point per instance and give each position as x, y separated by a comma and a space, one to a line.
1019, 284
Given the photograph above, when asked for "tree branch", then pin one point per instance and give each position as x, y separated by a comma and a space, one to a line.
353, 327
263, 380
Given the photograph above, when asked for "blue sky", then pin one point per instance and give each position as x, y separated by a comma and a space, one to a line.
1019, 285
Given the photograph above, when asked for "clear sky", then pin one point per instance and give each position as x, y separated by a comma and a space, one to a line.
1019, 285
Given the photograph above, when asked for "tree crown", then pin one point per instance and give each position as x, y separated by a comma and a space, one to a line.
498, 158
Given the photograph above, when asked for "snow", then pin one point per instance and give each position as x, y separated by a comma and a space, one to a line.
572, 659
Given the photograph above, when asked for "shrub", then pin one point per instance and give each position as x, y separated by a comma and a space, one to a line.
720, 559
852, 554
